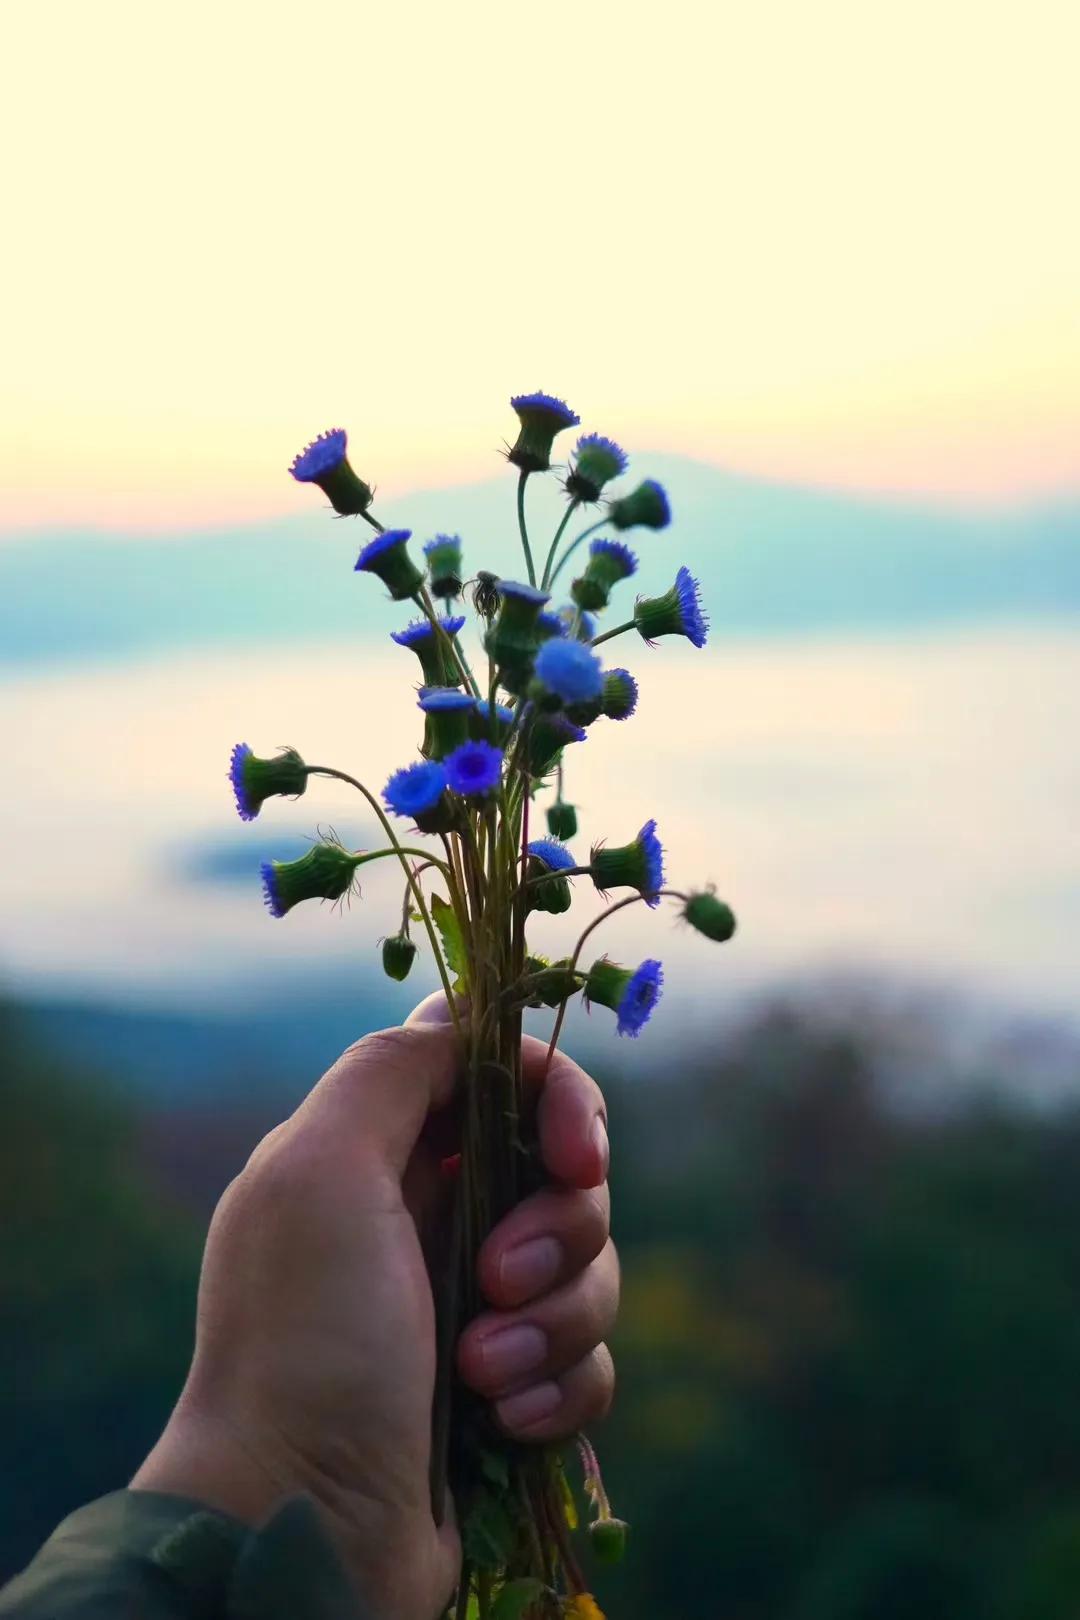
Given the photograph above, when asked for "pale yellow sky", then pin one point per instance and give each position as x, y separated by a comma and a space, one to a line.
834, 241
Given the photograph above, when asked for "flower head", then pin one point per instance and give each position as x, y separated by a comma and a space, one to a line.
513, 638
387, 557
549, 734
254, 779
597, 460
609, 562
325, 463
630, 993
480, 722
639, 865
541, 416
562, 819
446, 725
444, 564
551, 893
551, 624
677, 613
646, 507
428, 647
586, 624
325, 872
620, 694
570, 670
474, 769
415, 788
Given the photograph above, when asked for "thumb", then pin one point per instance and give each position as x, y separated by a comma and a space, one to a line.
434, 1009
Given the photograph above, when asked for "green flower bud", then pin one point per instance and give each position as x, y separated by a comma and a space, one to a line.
710, 916
608, 1538
398, 956
562, 820
646, 507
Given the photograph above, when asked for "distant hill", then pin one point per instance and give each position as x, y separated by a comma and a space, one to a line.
772, 559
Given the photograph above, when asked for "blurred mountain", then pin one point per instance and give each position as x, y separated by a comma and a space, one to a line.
772, 559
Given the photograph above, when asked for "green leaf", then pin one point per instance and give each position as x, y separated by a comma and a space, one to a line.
488, 1534
515, 1597
453, 942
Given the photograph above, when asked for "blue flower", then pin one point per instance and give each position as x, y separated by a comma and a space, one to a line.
480, 727
598, 460
646, 507
321, 456
325, 463
639, 865
517, 591
550, 624
423, 630
255, 780
615, 556
444, 564
639, 998
387, 557
416, 788
569, 669
541, 416
620, 694
631, 993
555, 856
475, 768
325, 872
445, 700
677, 613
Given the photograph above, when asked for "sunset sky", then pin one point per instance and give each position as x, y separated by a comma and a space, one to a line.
834, 243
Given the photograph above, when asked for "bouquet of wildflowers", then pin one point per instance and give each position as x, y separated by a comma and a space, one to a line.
495, 729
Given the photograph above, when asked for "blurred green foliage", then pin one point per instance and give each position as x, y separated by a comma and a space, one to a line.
849, 1357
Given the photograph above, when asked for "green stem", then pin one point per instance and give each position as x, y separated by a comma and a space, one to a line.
631, 624
418, 893
572, 547
521, 525
620, 905
567, 515
404, 849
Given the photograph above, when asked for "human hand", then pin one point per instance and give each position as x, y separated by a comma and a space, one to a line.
315, 1359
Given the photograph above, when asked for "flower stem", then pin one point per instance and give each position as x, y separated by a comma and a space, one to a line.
631, 624
567, 515
572, 547
418, 893
521, 525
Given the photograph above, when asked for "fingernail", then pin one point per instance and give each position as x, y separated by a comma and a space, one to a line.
601, 1144
513, 1351
531, 1267
529, 1406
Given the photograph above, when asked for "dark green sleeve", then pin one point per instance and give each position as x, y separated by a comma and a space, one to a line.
141, 1555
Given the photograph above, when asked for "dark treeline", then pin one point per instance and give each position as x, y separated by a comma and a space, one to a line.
849, 1356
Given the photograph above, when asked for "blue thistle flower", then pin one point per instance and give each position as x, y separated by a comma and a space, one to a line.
631, 993
646, 507
325, 872
447, 713
415, 788
254, 779
541, 416
639, 865
428, 647
387, 557
620, 694
444, 564
550, 624
548, 735
597, 461
677, 613
609, 562
546, 855
475, 769
570, 670
325, 463
513, 638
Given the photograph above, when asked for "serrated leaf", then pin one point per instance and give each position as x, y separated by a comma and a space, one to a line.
446, 921
515, 1597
